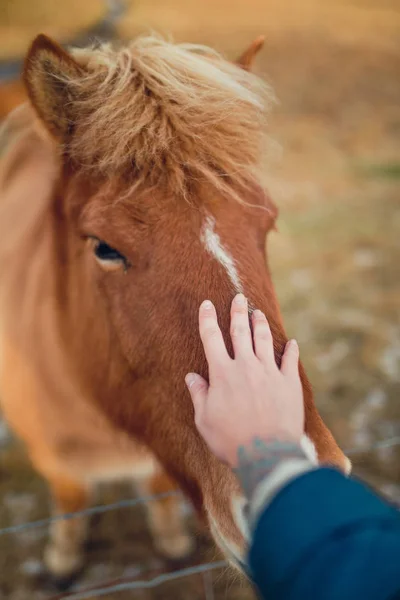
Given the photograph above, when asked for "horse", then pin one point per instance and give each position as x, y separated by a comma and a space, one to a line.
132, 188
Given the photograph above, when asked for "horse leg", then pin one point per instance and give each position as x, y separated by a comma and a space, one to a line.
165, 517
64, 553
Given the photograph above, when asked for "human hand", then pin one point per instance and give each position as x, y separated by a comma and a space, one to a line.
247, 397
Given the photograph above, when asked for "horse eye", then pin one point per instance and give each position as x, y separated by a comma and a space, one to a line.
108, 254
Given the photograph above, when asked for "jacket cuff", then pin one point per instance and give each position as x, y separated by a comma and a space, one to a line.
269, 487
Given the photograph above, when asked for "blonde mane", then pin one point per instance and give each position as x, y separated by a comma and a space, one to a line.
169, 114
152, 113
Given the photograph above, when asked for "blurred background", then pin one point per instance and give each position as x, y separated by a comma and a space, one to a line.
335, 67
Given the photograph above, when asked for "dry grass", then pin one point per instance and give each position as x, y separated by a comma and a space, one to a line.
22, 20
226, 22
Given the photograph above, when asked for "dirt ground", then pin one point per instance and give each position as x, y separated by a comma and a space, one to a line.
334, 65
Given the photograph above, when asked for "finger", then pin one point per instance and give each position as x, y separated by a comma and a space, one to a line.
240, 328
263, 341
211, 336
198, 388
290, 359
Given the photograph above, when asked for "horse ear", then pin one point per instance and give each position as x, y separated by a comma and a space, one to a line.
246, 59
48, 69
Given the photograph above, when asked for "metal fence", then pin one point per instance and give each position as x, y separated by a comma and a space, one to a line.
133, 583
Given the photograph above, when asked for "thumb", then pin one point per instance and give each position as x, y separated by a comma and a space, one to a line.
198, 388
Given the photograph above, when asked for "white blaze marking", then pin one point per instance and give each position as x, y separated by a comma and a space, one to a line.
213, 245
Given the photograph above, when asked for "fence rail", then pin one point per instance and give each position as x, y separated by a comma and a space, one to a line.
142, 584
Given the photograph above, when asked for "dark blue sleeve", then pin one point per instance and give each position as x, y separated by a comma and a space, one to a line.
326, 537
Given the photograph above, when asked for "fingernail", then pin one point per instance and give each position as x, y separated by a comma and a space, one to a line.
258, 314
293, 343
190, 379
240, 299
207, 304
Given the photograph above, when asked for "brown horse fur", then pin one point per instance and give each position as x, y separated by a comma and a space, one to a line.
158, 150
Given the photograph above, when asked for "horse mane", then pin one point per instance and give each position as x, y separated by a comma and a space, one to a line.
158, 113
149, 114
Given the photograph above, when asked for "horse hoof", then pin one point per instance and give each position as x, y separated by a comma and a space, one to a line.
178, 549
62, 568
64, 583
52, 583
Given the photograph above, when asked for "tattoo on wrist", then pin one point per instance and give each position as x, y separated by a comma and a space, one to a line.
259, 458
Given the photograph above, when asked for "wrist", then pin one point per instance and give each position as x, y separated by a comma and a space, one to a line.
250, 449
256, 460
